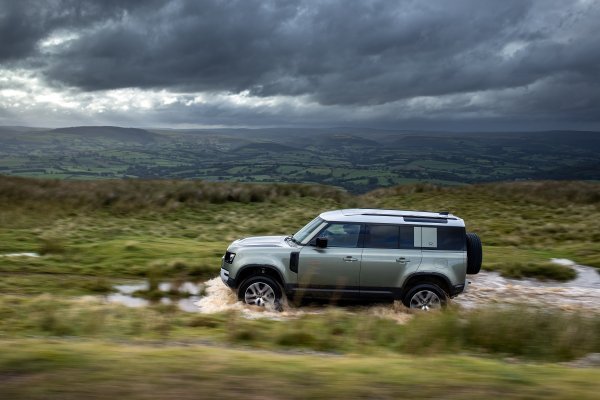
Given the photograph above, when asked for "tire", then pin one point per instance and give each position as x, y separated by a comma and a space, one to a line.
262, 291
474, 254
425, 296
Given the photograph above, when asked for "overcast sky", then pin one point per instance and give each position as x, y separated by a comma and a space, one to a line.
447, 64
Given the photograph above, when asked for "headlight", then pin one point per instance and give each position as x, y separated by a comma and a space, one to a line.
229, 256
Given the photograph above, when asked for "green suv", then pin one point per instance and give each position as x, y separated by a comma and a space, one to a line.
421, 258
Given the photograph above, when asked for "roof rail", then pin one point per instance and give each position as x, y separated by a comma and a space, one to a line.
446, 217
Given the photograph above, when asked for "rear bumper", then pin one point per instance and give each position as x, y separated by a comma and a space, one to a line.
458, 289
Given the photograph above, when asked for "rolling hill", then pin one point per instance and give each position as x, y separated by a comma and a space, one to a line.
353, 158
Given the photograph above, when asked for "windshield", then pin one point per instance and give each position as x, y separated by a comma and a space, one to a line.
307, 230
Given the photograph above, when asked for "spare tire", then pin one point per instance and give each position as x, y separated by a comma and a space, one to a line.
474, 253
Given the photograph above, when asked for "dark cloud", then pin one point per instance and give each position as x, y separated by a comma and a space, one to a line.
24, 23
527, 59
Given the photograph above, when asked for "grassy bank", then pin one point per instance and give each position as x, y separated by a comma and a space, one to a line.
56, 342
36, 369
525, 332
522, 224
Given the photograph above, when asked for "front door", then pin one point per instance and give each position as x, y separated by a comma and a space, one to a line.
333, 271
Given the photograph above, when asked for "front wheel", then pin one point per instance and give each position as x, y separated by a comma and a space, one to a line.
261, 291
425, 296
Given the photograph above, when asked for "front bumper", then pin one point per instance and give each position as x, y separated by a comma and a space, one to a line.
224, 275
227, 280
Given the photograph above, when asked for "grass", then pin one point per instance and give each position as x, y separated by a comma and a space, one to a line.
58, 369
56, 342
528, 333
519, 223
182, 228
104, 230
533, 269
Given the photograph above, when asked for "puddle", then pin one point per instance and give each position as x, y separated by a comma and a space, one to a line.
581, 293
125, 295
20, 255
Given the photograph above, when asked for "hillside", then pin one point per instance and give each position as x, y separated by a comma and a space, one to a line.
110, 133
356, 159
66, 245
531, 220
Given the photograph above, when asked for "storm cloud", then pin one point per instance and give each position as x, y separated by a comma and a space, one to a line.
264, 62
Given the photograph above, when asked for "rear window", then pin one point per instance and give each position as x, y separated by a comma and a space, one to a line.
451, 238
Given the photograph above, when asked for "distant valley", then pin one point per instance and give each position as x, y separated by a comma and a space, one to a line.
355, 159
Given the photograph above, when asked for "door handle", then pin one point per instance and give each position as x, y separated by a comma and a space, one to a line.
402, 260
350, 259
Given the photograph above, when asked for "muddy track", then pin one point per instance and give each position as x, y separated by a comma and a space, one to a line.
486, 288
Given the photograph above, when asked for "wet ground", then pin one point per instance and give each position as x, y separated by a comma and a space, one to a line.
485, 288
582, 293
34, 255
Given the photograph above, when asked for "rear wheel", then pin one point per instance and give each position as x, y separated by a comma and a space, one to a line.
425, 296
261, 291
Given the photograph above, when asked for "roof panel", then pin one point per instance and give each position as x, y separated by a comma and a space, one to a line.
385, 216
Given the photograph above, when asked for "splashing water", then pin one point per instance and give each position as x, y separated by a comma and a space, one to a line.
220, 298
582, 293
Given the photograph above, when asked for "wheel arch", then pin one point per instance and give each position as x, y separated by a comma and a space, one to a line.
249, 270
428, 277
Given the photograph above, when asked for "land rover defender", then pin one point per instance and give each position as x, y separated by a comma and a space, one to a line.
420, 258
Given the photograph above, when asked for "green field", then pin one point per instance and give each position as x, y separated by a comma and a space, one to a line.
356, 159
59, 338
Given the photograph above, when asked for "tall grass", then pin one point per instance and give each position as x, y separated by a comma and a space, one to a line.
35, 369
119, 228
535, 192
527, 332
134, 195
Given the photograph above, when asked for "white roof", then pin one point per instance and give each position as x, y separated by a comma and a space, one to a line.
382, 216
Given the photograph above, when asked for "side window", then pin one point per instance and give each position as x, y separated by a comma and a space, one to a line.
341, 235
382, 236
439, 238
451, 238
407, 237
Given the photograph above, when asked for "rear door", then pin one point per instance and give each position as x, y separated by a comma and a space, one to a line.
389, 254
334, 270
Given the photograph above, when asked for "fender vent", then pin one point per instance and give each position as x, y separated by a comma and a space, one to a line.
294, 258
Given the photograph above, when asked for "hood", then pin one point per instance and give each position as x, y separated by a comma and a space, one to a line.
261, 241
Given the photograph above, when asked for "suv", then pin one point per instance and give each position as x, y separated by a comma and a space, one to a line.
421, 258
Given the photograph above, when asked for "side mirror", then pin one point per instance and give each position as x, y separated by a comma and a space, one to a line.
321, 242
